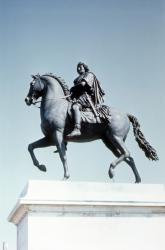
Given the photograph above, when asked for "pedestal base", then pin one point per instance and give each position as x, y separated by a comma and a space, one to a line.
90, 216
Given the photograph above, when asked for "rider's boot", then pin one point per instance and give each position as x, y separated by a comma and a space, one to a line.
76, 131
77, 127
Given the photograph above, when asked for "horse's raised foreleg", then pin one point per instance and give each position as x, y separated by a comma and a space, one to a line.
61, 147
44, 142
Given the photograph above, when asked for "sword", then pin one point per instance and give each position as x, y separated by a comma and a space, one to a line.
93, 107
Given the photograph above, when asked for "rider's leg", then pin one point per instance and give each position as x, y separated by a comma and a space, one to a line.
77, 119
77, 115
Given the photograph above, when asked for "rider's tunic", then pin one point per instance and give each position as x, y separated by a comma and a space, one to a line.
92, 88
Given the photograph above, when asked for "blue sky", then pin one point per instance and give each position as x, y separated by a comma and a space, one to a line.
123, 42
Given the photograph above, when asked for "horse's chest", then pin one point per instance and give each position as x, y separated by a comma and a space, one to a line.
51, 120
47, 116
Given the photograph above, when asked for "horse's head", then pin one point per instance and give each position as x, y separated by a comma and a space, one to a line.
35, 91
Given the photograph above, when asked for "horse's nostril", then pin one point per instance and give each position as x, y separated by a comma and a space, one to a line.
27, 100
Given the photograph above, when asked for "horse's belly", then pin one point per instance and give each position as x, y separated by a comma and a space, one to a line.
89, 132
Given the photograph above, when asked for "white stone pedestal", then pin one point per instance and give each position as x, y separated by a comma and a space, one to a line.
54, 215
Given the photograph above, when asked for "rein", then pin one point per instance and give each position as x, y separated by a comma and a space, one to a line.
51, 99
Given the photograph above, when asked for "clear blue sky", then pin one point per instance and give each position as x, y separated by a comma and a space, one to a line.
122, 41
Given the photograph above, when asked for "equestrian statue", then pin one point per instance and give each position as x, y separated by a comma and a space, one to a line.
79, 115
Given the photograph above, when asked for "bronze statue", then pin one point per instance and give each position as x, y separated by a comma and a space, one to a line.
108, 124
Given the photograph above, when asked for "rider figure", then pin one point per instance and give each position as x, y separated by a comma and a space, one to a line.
85, 84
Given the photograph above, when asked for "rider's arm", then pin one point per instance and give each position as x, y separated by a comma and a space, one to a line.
77, 89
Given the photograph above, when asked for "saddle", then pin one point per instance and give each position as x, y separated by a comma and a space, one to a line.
87, 115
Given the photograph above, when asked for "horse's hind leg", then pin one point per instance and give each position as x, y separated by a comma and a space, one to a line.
131, 163
114, 150
120, 145
125, 156
118, 153
44, 142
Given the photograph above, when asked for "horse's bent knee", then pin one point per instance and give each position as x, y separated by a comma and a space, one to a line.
30, 147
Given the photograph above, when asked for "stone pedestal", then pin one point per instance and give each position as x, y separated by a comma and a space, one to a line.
54, 215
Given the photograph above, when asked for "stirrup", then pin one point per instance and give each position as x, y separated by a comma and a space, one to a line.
76, 131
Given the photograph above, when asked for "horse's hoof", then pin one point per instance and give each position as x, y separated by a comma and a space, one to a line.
56, 151
66, 177
138, 181
42, 168
111, 174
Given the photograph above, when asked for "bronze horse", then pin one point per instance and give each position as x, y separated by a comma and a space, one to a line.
56, 123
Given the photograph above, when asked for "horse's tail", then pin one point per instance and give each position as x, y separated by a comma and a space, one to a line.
149, 151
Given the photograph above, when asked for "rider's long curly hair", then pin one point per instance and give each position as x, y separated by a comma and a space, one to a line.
84, 65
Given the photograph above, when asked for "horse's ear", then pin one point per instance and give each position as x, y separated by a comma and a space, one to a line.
33, 76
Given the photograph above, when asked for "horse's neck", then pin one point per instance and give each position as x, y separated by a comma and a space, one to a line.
53, 90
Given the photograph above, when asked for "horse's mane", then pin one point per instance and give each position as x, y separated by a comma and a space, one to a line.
61, 82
